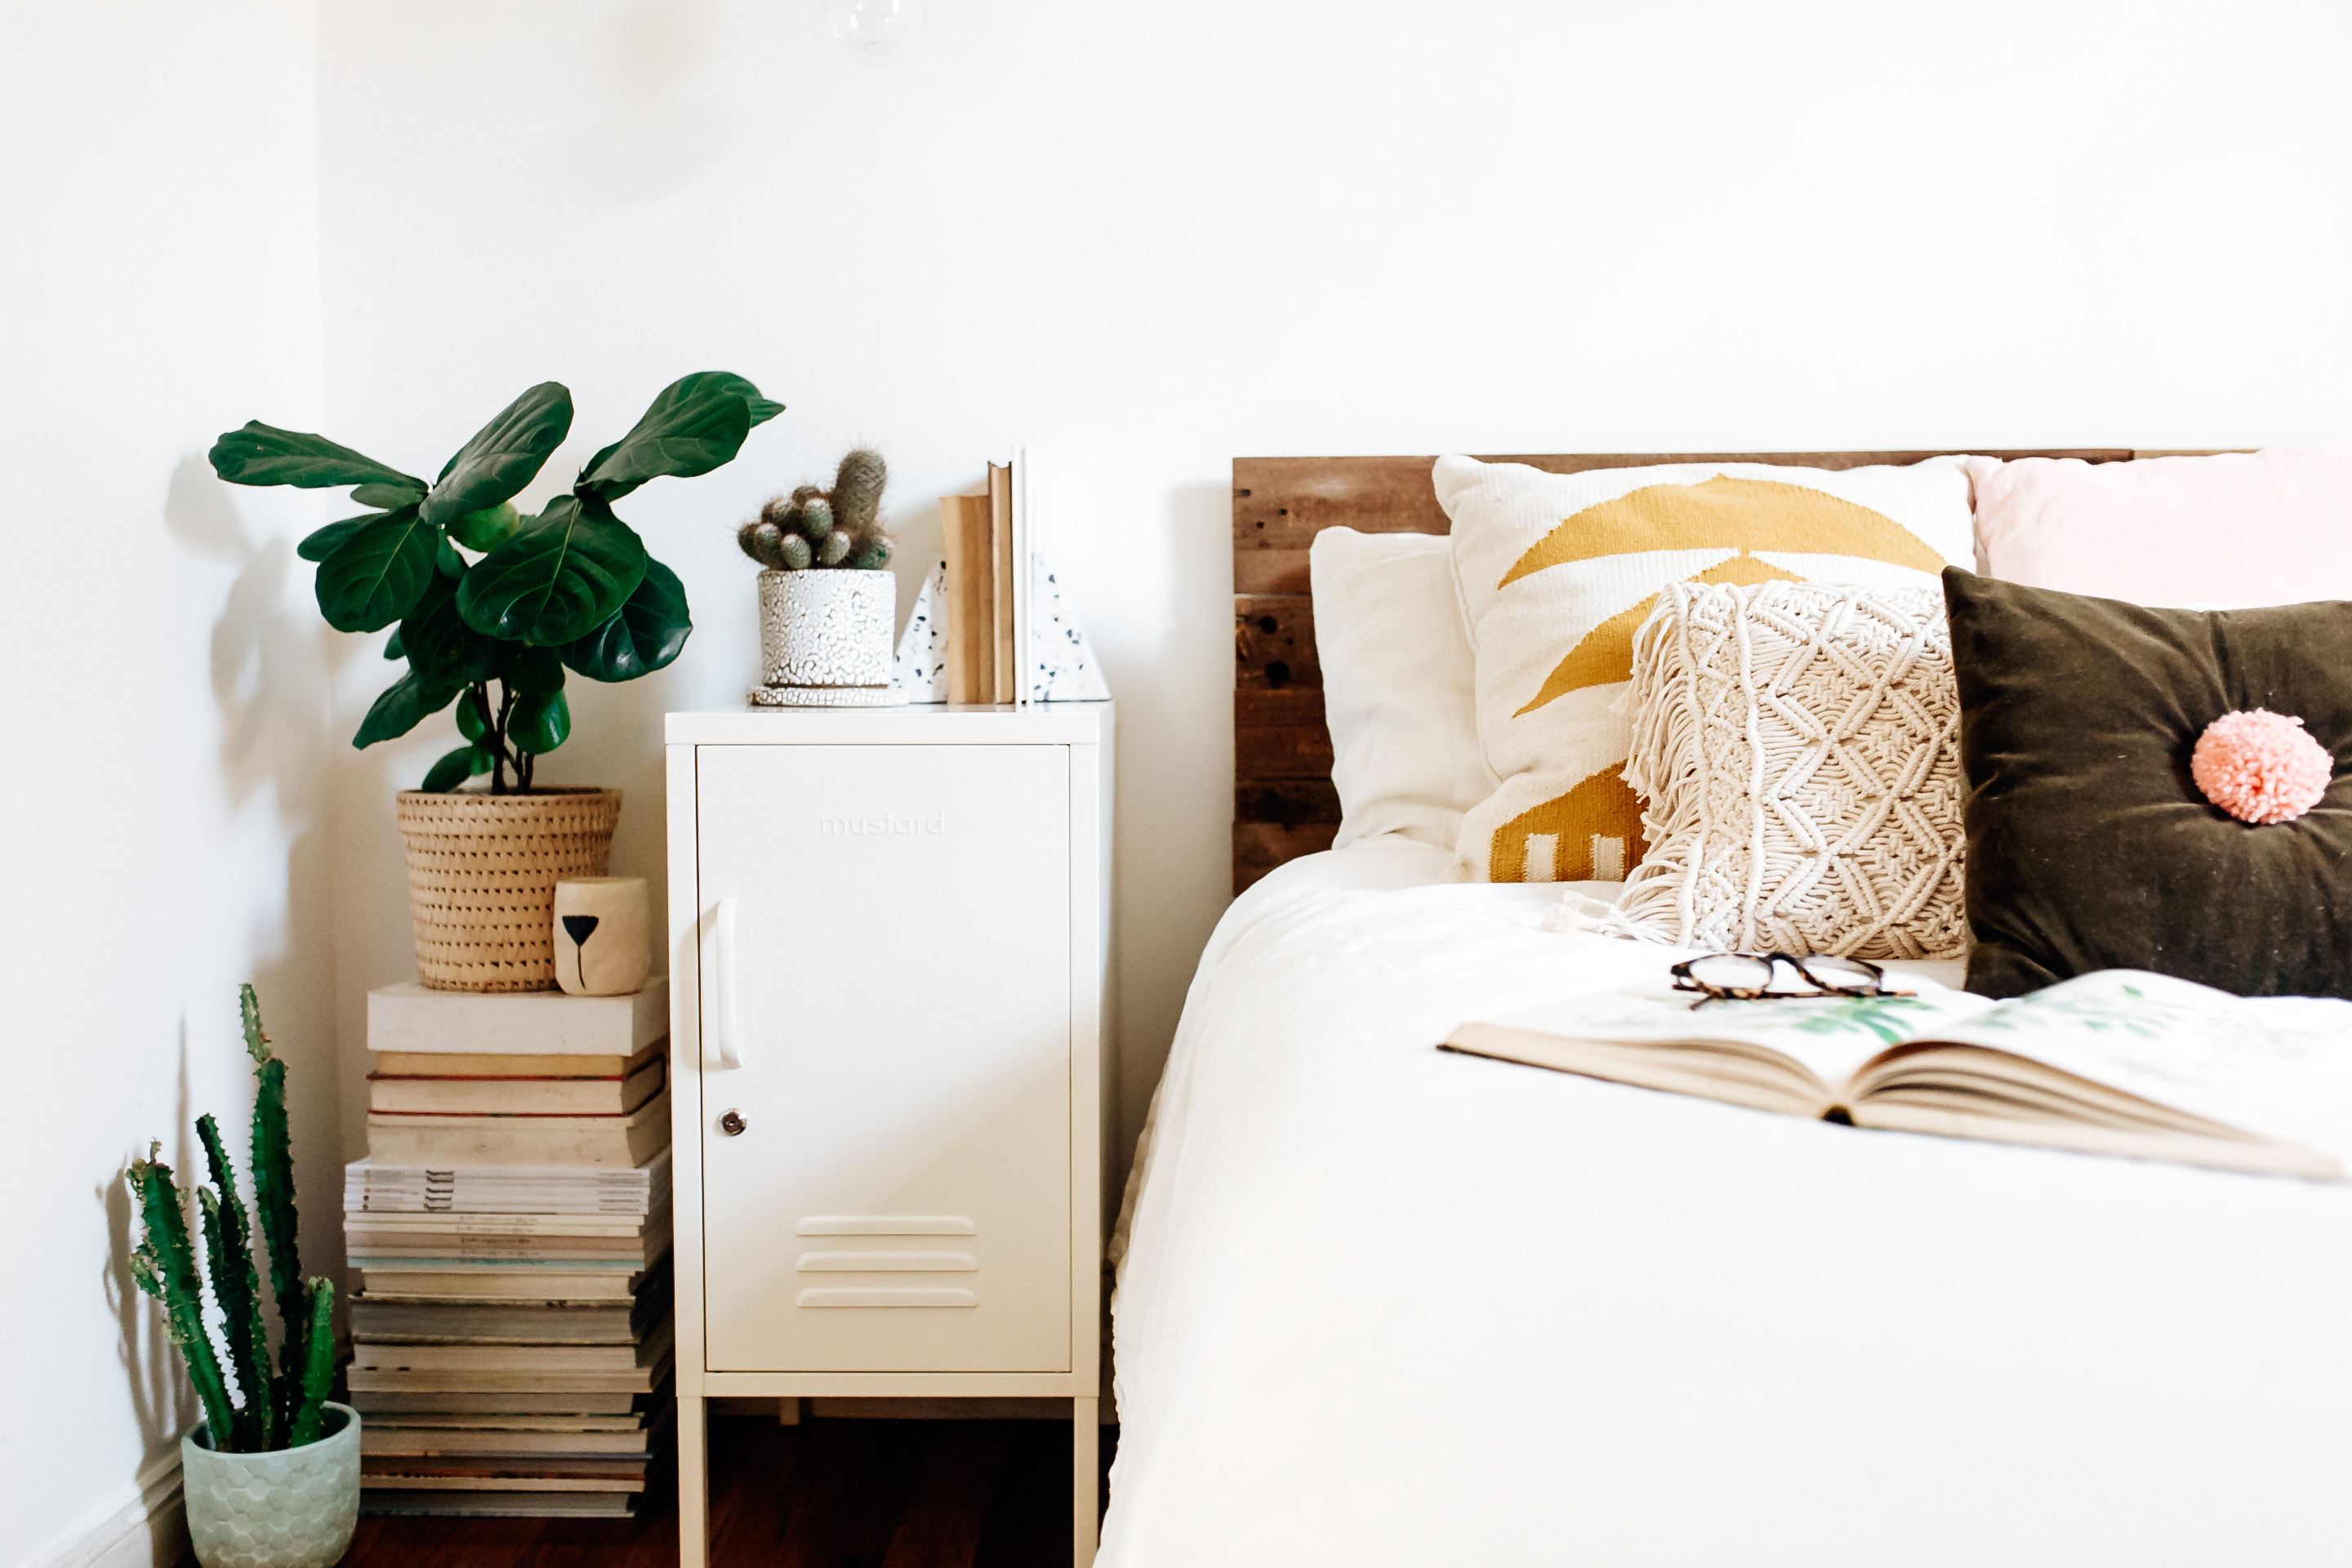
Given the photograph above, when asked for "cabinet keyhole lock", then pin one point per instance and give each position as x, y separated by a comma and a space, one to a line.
732, 1123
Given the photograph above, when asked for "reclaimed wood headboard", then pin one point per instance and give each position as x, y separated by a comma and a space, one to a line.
1284, 802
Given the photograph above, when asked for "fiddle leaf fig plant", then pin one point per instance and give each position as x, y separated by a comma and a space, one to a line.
492, 606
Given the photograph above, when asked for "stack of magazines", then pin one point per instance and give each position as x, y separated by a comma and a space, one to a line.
512, 1330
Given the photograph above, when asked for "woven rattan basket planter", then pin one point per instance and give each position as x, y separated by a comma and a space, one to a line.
482, 870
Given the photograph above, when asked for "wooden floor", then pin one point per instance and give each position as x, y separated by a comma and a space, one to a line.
835, 1493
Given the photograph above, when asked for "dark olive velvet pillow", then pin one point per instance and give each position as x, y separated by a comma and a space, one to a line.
2088, 845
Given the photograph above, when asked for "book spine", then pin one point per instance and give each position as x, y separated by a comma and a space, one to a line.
512, 1141
1004, 661
491, 1380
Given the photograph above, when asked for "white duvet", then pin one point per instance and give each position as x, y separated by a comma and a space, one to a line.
1383, 1304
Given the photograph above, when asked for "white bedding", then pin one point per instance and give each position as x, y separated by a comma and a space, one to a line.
1382, 1304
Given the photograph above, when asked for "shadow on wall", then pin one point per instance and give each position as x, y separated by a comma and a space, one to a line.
269, 665
660, 133
272, 659
161, 1399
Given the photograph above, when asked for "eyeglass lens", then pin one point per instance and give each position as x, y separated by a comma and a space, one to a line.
1840, 974
1731, 972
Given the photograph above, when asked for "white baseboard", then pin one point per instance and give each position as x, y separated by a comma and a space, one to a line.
149, 1529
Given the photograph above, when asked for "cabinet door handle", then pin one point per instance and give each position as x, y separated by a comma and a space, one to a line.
722, 1033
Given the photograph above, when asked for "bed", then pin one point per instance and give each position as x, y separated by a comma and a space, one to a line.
1381, 1304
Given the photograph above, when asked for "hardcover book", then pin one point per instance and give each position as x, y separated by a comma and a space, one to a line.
478, 1095
621, 1142
412, 1019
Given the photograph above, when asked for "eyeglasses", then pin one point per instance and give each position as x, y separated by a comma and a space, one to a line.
1749, 976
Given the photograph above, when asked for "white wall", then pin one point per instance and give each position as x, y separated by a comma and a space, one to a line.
163, 787
1150, 238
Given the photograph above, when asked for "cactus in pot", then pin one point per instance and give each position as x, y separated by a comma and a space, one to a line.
827, 601
279, 1409
812, 528
272, 1410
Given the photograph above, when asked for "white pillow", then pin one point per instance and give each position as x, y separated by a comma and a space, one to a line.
1396, 686
1556, 571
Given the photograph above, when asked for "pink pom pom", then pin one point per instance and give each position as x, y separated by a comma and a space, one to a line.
2261, 766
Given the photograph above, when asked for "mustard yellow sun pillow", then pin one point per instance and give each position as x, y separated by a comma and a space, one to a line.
1556, 571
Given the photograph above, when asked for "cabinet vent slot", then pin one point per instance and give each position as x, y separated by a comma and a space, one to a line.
887, 1224
887, 1263
866, 1296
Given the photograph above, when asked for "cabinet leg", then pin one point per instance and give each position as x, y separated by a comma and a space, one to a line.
1085, 1432
693, 1484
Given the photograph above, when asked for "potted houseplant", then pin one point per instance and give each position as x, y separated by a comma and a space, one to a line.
828, 601
272, 1476
492, 607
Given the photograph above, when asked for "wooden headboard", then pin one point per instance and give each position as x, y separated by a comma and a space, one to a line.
1284, 802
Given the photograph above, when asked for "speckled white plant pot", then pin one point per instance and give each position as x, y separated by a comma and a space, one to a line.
295, 1508
827, 627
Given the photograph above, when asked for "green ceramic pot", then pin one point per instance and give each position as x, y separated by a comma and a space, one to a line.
295, 1508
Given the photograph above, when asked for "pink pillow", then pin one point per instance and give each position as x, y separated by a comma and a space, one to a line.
2226, 532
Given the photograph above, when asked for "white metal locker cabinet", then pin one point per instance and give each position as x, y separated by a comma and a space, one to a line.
890, 971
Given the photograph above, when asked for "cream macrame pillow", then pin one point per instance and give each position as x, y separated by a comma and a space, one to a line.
1798, 745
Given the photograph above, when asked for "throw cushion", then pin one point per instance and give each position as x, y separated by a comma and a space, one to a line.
1396, 686
2228, 531
2091, 845
1798, 746
1556, 571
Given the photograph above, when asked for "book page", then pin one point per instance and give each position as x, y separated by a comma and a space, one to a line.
2277, 1067
1828, 1036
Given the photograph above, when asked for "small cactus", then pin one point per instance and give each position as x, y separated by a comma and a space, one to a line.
271, 1412
857, 490
814, 529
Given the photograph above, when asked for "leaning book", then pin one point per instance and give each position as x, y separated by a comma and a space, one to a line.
2117, 1062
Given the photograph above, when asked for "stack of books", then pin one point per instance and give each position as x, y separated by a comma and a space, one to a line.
510, 1230
987, 585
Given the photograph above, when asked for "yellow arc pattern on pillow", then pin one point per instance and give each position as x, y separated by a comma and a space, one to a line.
1606, 654
1602, 816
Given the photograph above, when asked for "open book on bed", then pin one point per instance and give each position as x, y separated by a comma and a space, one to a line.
2119, 1062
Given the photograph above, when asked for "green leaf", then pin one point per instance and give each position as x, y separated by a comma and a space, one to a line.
405, 703
443, 649
698, 423
388, 496
470, 723
645, 634
564, 572
394, 648
486, 530
528, 672
453, 769
539, 723
503, 455
762, 410
375, 575
322, 542
264, 455
446, 560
